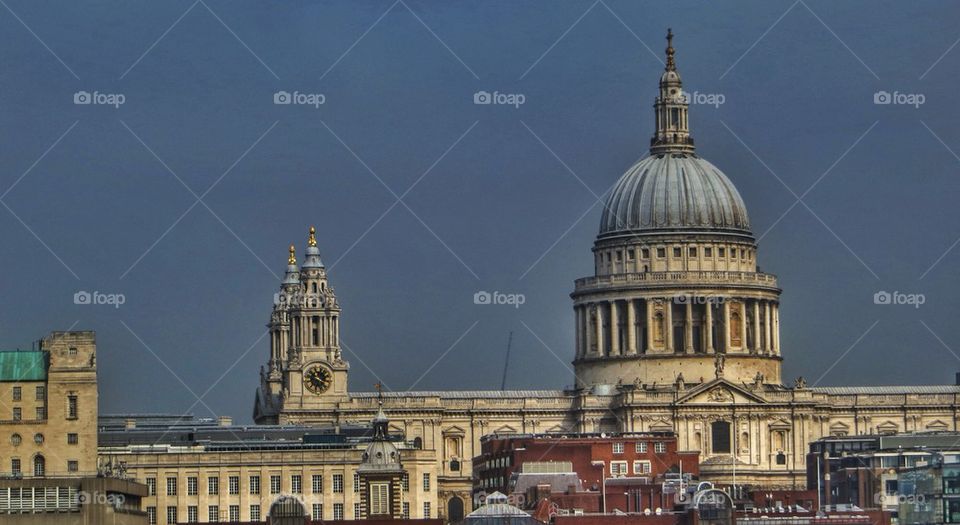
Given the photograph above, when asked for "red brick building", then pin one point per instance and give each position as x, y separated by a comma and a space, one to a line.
588, 471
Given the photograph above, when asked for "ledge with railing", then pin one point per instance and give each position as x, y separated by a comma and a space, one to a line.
717, 277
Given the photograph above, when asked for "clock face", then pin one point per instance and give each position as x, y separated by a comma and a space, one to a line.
317, 379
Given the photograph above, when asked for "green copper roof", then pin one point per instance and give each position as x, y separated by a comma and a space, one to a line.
23, 366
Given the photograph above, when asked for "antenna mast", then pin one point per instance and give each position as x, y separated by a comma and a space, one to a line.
506, 362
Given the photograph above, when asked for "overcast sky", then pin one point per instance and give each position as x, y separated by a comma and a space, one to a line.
184, 197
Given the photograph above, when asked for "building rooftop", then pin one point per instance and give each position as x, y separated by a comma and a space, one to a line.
23, 365
883, 390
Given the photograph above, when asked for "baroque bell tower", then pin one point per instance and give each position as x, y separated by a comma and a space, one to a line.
306, 369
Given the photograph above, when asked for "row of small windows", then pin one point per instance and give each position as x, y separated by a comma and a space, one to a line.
296, 484
41, 393
233, 513
17, 439
39, 466
641, 447
692, 251
41, 411
640, 467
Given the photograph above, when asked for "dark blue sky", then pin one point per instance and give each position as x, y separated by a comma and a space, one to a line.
510, 206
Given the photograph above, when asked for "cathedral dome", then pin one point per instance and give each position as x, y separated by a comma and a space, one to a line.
674, 192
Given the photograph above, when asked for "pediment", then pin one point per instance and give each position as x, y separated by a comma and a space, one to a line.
780, 424
557, 429
453, 431
720, 392
937, 425
888, 428
839, 429
661, 425
506, 429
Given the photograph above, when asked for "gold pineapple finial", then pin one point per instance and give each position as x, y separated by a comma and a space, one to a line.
293, 256
313, 237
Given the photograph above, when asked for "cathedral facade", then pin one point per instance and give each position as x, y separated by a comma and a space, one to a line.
677, 331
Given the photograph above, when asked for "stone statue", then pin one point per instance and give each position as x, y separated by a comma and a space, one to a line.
800, 383
718, 365
758, 380
681, 384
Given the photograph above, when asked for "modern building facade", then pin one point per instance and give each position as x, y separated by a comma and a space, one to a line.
676, 331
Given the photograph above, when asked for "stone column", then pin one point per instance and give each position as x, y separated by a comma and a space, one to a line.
578, 347
587, 336
614, 329
631, 327
599, 328
688, 326
709, 320
649, 313
756, 326
766, 337
776, 329
726, 326
668, 329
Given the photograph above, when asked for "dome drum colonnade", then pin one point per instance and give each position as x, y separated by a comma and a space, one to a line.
675, 271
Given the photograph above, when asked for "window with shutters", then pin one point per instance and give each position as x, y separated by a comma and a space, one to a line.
379, 498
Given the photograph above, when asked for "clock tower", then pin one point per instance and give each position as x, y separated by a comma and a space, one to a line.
306, 370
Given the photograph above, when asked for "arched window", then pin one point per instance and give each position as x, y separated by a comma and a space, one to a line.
455, 509
39, 465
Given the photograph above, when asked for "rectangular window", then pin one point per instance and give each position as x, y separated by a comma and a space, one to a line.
17, 414
192, 515
213, 485
171, 514
743, 253
151, 486
641, 447
41, 393
213, 513
255, 485
275, 484
14, 465
645, 253
296, 484
618, 468
17, 393
641, 467
356, 482
721, 252
379, 498
708, 252
406, 510
151, 516
676, 252
661, 252
72, 409
317, 513
171, 486
693, 251
632, 254
317, 482
73, 439
254, 512
41, 413
426, 481
618, 448
338, 484
72, 350
426, 509
733, 253
720, 437
619, 256
73, 465
234, 513
405, 482
659, 447
338, 512
356, 511
192, 486
233, 485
